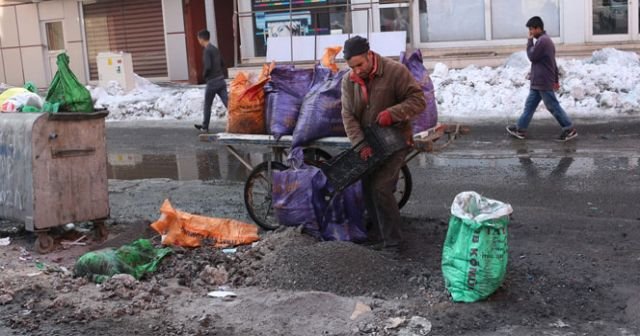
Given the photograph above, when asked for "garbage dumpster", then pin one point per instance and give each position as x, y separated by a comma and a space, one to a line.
53, 171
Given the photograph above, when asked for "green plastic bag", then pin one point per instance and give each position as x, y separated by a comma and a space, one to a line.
66, 90
137, 259
475, 252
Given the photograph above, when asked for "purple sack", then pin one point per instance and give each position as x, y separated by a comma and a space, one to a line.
298, 197
429, 117
321, 111
344, 219
288, 87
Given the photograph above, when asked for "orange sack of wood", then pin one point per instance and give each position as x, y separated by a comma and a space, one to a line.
184, 229
329, 57
246, 102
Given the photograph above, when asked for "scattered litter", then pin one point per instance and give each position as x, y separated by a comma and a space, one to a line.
559, 324
34, 274
24, 255
230, 250
5, 241
417, 326
222, 294
394, 322
184, 229
77, 242
359, 310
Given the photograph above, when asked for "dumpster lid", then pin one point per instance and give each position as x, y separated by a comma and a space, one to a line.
98, 114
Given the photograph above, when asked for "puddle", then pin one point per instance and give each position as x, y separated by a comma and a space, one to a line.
199, 165
221, 165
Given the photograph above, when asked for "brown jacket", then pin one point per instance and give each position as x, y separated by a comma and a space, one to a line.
392, 88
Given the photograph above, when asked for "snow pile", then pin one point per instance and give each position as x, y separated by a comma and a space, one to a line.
603, 86
149, 101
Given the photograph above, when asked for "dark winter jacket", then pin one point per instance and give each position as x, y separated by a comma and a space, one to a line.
544, 71
392, 88
213, 63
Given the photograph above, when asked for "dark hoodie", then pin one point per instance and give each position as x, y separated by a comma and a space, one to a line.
544, 71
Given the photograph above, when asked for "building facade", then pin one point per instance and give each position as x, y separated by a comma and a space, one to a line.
433, 24
160, 34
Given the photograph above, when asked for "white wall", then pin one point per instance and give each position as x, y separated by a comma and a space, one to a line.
175, 40
247, 49
23, 44
573, 23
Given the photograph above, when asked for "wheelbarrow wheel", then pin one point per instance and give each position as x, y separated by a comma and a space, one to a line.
403, 187
257, 194
44, 243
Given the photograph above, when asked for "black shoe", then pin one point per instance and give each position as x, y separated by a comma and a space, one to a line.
201, 128
516, 132
568, 135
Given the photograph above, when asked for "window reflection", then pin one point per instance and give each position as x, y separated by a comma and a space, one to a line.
610, 17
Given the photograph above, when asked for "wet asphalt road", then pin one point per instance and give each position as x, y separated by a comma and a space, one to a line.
597, 175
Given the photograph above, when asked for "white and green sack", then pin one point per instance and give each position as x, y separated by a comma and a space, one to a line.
475, 253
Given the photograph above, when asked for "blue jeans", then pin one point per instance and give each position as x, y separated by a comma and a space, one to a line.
551, 103
214, 87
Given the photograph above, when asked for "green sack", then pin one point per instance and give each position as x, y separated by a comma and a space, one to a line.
66, 90
475, 252
137, 259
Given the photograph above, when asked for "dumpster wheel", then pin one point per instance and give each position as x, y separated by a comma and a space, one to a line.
44, 243
100, 231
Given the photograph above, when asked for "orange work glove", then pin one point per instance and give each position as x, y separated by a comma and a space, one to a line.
384, 119
366, 153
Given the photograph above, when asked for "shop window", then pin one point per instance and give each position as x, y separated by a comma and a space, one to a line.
508, 17
437, 16
307, 18
395, 19
55, 35
610, 17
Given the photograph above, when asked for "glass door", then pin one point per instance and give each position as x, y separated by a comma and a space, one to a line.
611, 20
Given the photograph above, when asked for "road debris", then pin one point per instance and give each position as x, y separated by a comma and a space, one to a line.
359, 310
5, 241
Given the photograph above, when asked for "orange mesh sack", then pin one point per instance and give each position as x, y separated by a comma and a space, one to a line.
184, 229
329, 58
246, 103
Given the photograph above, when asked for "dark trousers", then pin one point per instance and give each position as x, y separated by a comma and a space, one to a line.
214, 87
380, 201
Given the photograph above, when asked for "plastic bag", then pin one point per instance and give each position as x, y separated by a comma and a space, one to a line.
66, 90
183, 229
344, 218
321, 111
247, 103
298, 195
136, 259
475, 252
288, 86
429, 117
9, 93
329, 58
21, 100
299, 200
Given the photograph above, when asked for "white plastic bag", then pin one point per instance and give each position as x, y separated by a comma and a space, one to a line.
15, 103
471, 205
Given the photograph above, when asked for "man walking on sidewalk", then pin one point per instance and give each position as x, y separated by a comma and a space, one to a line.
213, 76
544, 80
380, 91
